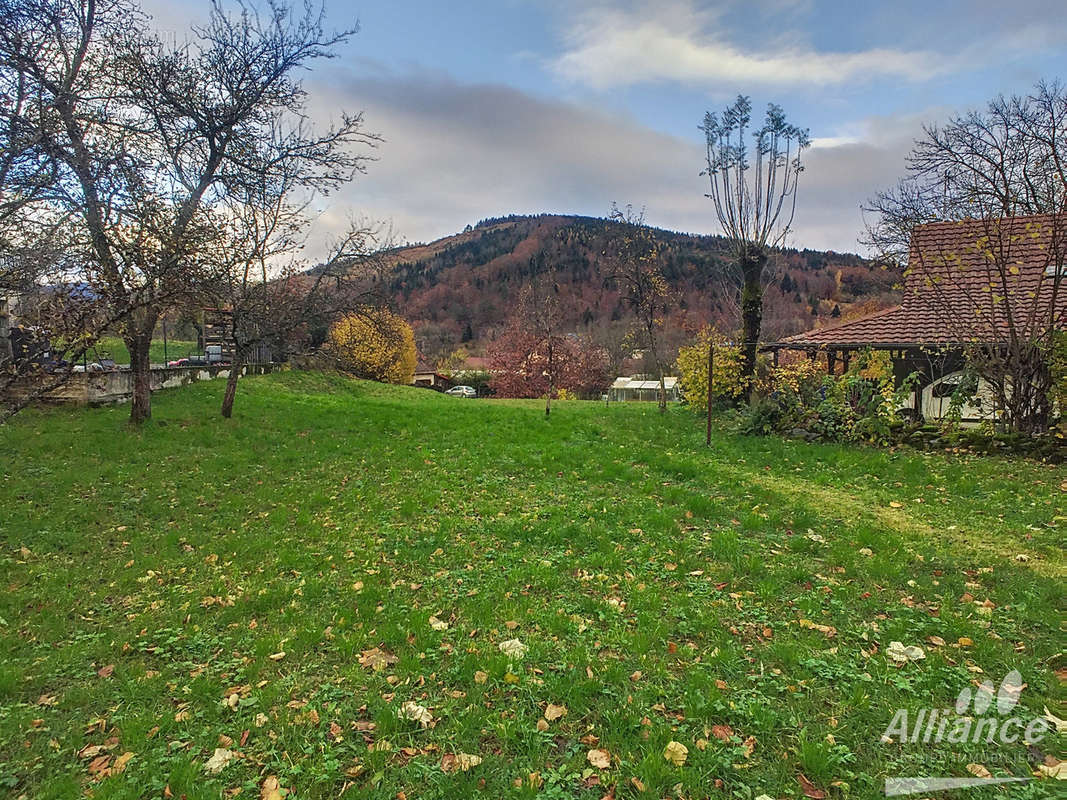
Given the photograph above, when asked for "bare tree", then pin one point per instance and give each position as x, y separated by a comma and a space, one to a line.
148, 139
995, 277
268, 292
755, 201
632, 256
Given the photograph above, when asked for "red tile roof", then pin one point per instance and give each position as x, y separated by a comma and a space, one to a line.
967, 281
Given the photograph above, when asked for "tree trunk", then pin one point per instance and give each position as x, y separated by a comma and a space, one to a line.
551, 382
751, 312
662, 392
231, 384
138, 337
140, 345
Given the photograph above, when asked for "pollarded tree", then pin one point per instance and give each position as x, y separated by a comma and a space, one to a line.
754, 192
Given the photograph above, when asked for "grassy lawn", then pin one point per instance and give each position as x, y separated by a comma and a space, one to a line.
233, 584
114, 348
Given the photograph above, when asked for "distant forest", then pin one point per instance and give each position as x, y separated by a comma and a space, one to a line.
458, 291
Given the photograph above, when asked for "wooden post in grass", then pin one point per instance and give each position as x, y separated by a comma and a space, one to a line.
711, 369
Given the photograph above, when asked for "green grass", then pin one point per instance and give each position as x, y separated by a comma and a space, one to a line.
114, 348
659, 587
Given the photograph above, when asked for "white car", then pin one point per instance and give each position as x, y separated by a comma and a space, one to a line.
462, 391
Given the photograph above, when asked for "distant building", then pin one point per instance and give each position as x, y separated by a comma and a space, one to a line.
641, 387
428, 378
957, 294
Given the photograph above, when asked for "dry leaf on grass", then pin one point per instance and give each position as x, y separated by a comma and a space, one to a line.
829, 631
438, 624
220, 758
676, 753
1053, 768
376, 659
270, 789
459, 762
722, 732
554, 712
979, 771
1059, 724
902, 655
809, 788
513, 648
415, 713
601, 759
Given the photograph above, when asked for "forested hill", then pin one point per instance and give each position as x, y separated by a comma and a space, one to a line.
461, 289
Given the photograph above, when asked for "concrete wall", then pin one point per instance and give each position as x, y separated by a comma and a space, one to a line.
100, 388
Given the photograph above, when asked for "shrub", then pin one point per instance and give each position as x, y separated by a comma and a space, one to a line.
375, 344
693, 370
801, 398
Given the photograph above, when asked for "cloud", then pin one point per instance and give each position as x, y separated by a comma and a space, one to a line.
456, 153
675, 41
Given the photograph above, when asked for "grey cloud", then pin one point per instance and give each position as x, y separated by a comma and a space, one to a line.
457, 153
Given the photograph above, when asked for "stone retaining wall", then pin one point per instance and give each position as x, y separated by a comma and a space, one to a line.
116, 386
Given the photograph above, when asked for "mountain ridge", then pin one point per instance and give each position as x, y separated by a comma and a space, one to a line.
459, 290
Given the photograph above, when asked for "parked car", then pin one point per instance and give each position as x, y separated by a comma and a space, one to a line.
179, 362
462, 391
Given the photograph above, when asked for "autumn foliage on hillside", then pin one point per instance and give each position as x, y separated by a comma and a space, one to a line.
462, 290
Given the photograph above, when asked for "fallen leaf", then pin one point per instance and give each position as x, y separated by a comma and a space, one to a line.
827, 630
277, 656
459, 762
513, 648
1059, 724
902, 655
676, 753
637, 784
438, 624
601, 759
120, 763
220, 758
722, 732
809, 788
270, 789
106, 672
554, 712
481, 677
376, 659
542, 725
979, 771
1053, 768
415, 713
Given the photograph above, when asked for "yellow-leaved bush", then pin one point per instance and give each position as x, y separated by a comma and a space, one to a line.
726, 369
374, 343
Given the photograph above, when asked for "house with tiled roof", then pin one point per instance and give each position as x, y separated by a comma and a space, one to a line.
969, 283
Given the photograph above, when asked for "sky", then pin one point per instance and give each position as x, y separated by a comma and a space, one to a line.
496, 107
